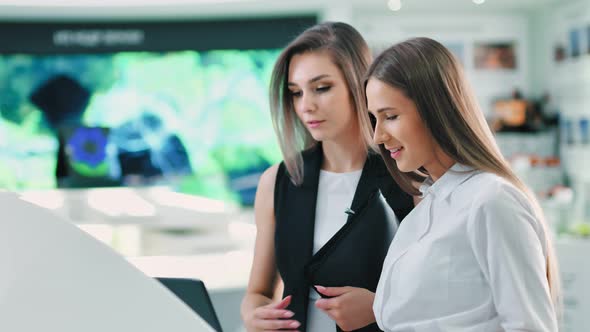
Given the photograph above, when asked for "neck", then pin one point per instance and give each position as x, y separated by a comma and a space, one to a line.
439, 166
344, 156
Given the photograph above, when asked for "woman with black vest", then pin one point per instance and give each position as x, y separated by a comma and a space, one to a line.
326, 215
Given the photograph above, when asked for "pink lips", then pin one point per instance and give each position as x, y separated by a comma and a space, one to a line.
395, 153
314, 124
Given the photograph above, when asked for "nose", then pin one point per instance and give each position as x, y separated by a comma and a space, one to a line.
380, 136
306, 103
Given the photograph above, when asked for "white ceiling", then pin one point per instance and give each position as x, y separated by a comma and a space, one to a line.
129, 9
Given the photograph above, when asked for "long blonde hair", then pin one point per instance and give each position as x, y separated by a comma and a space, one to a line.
351, 54
427, 73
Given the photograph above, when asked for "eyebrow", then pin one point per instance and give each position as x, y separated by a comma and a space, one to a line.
384, 109
315, 79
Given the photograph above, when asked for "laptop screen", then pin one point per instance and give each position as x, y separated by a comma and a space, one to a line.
194, 294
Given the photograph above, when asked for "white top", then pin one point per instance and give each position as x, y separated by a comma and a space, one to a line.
55, 277
470, 257
335, 194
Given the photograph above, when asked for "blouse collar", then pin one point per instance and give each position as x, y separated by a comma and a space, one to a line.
454, 176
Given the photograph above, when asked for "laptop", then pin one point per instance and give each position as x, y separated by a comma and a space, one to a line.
194, 294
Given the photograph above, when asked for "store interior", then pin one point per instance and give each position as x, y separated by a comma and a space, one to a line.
146, 123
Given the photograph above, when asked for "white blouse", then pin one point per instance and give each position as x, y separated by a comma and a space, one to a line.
470, 257
335, 194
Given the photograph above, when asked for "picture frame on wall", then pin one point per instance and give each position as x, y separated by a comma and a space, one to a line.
495, 55
574, 42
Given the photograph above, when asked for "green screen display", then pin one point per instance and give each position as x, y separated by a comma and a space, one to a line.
198, 121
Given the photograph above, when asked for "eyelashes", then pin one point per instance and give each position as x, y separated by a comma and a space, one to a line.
319, 90
373, 119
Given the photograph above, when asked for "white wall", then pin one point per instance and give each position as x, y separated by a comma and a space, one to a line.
382, 29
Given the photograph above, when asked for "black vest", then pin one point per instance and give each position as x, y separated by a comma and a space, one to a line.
355, 263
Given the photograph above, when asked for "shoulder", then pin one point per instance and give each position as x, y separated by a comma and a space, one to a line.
264, 201
491, 191
500, 207
268, 178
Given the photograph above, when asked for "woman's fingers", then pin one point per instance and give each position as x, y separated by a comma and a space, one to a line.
268, 313
282, 304
275, 324
274, 317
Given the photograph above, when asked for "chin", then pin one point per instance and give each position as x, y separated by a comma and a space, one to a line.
320, 137
405, 168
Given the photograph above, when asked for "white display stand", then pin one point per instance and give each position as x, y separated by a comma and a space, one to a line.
55, 277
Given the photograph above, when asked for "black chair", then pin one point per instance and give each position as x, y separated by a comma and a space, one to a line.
194, 294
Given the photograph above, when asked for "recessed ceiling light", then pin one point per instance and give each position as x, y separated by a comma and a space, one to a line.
394, 5
478, 2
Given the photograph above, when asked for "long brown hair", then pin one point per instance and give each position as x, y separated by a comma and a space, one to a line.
428, 74
350, 53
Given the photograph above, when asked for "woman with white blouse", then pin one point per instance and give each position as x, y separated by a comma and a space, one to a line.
475, 254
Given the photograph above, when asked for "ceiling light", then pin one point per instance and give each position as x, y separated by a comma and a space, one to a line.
478, 2
394, 5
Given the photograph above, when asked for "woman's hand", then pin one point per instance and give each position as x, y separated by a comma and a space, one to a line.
350, 307
272, 317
